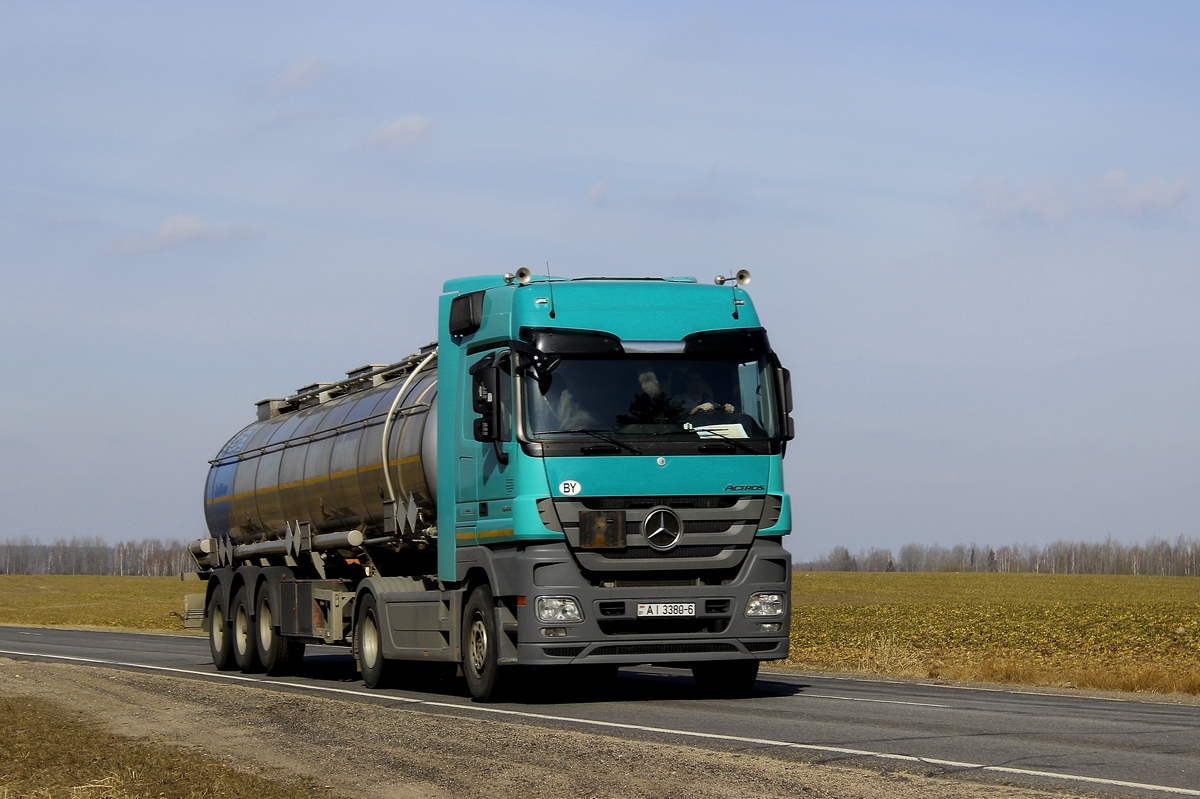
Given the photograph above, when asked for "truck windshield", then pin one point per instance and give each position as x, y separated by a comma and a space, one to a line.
642, 396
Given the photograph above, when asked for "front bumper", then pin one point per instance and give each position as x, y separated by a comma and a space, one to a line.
612, 632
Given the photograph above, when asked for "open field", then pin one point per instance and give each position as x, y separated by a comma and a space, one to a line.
1088, 631
1119, 632
138, 603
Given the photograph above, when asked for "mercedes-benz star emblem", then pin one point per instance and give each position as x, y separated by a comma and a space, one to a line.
662, 528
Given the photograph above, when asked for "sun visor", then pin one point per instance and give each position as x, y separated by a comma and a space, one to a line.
742, 345
561, 341
748, 344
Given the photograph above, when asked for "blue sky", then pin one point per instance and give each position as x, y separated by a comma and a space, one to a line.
972, 228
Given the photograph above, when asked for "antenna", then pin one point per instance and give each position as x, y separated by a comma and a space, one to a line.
550, 285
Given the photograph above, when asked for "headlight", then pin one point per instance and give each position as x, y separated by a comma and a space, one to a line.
766, 605
558, 608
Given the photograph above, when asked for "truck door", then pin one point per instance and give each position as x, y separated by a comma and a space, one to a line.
485, 487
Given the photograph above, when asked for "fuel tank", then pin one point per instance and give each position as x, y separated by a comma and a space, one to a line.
318, 456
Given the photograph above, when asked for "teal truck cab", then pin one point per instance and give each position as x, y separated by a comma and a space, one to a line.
580, 472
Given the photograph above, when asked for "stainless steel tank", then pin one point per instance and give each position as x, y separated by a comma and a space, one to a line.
318, 456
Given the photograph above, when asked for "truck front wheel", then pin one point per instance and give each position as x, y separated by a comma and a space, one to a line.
376, 670
480, 645
245, 644
219, 643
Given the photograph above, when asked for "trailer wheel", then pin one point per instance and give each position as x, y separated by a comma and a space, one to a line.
729, 679
480, 644
277, 653
219, 638
245, 644
377, 672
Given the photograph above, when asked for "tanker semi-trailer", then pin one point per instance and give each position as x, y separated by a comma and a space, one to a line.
579, 472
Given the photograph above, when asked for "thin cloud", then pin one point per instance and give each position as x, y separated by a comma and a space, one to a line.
949, 480
1001, 201
1151, 195
176, 231
697, 203
60, 221
598, 193
304, 71
404, 130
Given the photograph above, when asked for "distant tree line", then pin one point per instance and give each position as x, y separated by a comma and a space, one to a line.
146, 558
1178, 558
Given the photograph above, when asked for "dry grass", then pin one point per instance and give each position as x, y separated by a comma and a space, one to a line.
140, 603
1088, 631
50, 753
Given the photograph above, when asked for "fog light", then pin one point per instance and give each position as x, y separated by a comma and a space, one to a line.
558, 608
765, 605
554, 632
771, 627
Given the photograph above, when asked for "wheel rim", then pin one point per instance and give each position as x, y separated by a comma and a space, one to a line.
478, 645
370, 641
266, 627
241, 630
217, 630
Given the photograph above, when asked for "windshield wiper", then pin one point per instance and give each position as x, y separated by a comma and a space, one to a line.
606, 438
731, 441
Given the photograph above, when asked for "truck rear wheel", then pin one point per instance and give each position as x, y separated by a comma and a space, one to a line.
729, 679
277, 653
219, 637
245, 644
377, 672
480, 645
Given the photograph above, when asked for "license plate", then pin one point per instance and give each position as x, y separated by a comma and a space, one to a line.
656, 609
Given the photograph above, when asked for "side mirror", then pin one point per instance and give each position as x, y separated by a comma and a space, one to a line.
785, 389
485, 400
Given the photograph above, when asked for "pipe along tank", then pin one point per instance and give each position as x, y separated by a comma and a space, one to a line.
315, 462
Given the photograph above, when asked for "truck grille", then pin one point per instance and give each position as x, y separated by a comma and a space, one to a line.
563, 651
716, 533
662, 626
762, 646
647, 552
663, 649
622, 503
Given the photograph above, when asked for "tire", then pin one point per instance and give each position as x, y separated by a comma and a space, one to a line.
480, 645
377, 671
245, 637
277, 653
220, 637
728, 679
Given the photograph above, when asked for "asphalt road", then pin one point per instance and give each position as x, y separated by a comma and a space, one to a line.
1093, 745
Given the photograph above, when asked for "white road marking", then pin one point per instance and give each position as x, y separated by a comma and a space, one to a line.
710, 736
879, 701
